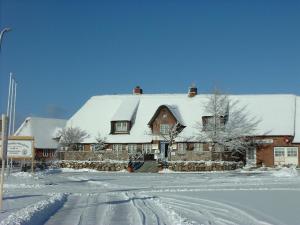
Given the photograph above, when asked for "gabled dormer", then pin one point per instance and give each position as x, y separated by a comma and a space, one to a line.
124, 117
164, 119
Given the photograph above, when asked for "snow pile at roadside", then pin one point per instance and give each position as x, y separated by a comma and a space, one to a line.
66, 170
285, 172
22, 174
123, 171
166, 171
36, 213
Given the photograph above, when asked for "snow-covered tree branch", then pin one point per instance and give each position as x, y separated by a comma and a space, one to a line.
170, 135
227, 126
71, 136
101, 143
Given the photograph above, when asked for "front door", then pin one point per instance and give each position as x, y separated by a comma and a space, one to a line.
164, 147
251, 157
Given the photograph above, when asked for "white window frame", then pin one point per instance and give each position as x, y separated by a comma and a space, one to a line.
117, 147
80, 147
293, 150
279, 152
121, 126
147, 148
182, 148
198, 147
286, 156
132, 148
45, 152
164, 128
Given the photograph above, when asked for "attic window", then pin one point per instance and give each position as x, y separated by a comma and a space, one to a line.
121, 126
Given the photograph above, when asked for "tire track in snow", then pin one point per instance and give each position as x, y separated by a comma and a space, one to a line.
215, 212
146, 212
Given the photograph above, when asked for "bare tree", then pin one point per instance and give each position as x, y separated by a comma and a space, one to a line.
71, 136
226, 125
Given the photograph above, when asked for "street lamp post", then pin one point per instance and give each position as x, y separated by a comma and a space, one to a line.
6, 29
3, 138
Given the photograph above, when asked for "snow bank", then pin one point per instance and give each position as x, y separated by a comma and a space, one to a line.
22, 174
166, 171
285, 172
36, 213
66, 170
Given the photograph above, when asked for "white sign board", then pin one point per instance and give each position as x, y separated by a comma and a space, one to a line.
264, 141
19, 149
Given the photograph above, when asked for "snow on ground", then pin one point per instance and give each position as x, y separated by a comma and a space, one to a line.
113, 198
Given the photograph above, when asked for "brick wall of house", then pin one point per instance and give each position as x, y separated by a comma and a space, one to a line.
164, 117
265, 153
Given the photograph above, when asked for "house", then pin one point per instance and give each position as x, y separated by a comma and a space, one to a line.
44, 132
133, 123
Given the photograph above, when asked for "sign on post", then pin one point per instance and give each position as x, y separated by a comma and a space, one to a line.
19, 149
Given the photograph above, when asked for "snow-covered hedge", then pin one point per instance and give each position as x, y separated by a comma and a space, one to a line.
189, 166
110, 165
36, 213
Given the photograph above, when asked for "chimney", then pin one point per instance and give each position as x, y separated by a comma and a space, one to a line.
137, 90
192, 90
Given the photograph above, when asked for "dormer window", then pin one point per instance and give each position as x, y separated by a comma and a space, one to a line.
164, 128
121, 127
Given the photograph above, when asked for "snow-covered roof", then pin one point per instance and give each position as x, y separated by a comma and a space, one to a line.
44, 130
126, 110
173, 109
276, 113
297, 121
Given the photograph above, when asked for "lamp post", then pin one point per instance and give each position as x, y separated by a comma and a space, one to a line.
3, 138
6, 29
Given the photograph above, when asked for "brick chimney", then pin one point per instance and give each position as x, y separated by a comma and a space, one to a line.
137, 90
192, 91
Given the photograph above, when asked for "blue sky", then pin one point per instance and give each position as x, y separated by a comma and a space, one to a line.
63, 52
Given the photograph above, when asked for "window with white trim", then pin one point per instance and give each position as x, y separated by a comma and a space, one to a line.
121, 126
132, 148
147, 148
198, 147
279, 152
45, 152
182, 148
117, 147
80, 147
292, 151
164, 128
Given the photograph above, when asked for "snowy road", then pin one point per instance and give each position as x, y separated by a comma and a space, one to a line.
263, 197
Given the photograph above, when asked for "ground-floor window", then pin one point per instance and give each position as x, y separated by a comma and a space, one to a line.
198, 147
117, 147
132, 148
251, 154
48, 153
278, 151
45, 152
80, 147
147, 148
286, 156
291, 152
182, 148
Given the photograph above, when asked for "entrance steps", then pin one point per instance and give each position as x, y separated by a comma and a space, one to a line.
148, 167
